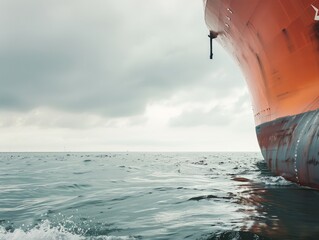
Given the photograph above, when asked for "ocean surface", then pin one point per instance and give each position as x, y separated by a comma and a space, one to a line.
124, 196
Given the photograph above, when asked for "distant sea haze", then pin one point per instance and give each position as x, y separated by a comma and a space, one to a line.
124, 196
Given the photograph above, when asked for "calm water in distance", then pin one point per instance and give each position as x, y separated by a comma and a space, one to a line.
124, 196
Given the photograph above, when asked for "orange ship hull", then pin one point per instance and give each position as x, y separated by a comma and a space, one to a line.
276, 44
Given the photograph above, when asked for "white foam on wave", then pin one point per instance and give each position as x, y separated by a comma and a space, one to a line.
276, 181
47, 232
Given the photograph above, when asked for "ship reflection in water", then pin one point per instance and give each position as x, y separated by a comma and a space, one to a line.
277, 211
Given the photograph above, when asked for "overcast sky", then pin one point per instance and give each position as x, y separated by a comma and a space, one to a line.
107, 75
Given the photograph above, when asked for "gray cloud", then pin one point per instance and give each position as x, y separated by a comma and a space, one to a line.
219, 115
105, 57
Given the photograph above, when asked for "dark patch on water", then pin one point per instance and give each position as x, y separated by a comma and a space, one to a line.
234, 235
79, 173
120, 199
164, 189
74, 186
208, 197
200, 162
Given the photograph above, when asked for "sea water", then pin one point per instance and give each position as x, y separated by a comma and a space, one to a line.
124, 196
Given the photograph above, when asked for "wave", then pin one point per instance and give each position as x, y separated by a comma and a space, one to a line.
45, 231
276, 181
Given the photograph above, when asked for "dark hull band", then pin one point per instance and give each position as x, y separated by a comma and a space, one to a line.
290, 146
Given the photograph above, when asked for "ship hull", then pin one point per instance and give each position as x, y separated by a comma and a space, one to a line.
276, 44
